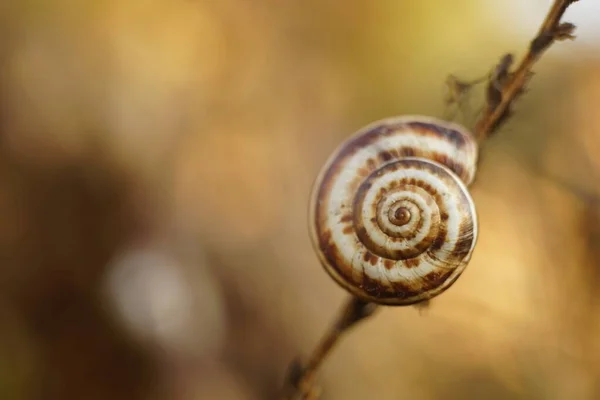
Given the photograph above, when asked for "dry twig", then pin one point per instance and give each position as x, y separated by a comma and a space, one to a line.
300, 380
457, 92
504, 87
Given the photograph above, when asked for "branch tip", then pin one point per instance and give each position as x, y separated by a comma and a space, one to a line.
505, 86
565, 31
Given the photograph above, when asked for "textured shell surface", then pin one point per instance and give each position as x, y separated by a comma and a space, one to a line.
391, 218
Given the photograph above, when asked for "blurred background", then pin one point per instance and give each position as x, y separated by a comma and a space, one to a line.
156, 159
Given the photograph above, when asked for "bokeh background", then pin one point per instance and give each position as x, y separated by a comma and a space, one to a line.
156, 159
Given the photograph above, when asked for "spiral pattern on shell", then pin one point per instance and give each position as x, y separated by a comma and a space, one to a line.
391, 218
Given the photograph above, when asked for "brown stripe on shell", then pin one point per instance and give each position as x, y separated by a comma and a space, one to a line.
407, 290
355, 183
436, 278
374, 287
385, 156
372, 164
407, 152
347, 218
397, 290
461, 248
363, 172
427, 128
417, 229
465, 240
439, 281
412, 262
370, 258
395, 153
440, 239
454, 165
332, 254
361, 141
430, 189
465, 234
388, 264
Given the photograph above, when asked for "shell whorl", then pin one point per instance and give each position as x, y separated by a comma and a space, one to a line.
391, 218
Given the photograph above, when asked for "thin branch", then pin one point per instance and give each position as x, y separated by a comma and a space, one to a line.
504, 86
301, 376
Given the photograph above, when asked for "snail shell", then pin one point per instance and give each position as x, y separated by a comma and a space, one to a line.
391, 218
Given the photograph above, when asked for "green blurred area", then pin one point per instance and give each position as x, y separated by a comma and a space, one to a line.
155, 164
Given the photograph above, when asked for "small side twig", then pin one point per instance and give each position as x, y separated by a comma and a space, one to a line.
457, 94
504, 86
301, 376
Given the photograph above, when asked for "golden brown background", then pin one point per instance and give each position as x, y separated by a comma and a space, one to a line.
155, 163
